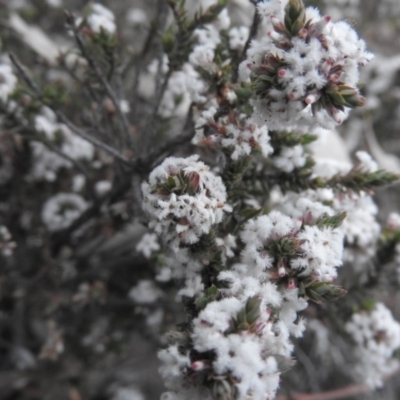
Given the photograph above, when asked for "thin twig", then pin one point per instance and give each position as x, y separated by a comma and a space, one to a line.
23, 127
104, 82
252, 34
174, 142
91, 139
309, 367
141, 166
74, 162
161, 81
80, 132
155, 26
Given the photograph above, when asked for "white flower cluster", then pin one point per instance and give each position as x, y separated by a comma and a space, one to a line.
8, 82
237, 134
62, 209
145, 292
290, 158
184, 87
304, 73
47, 163
101, 19
181, 265
148, 244
305, 250
360, 227
248, 331
238, 37
377, 337
244, 355
184, 198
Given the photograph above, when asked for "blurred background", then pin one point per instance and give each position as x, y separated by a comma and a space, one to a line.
85, 322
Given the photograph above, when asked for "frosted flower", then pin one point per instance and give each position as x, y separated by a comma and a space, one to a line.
145, 292
321, 252
101, 19
360, 227
184, 199
154, 65
377, 337
290, 158
240, 135
241, 353
393, 221
148, 244
184, 87
287, 250
47, 163
125, 106
102, 187
172, 363
61, 210
238, 37
266, 8
179, 264
366, 163
227, 245
8, 81
203, 56
305, 71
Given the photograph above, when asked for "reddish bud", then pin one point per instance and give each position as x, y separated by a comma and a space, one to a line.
199, 365
282, 73
291, 284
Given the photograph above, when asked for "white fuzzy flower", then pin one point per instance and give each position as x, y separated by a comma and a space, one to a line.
101, 19
184, 197
238, 37
62, 209
305, 78
148, 244
47, 163
8, 81
102, 187
377, 337
145, 292
240, 135
290, 158
367, 164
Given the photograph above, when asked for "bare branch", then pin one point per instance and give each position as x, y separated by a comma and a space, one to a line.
80, 132
103, 80
252, 34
